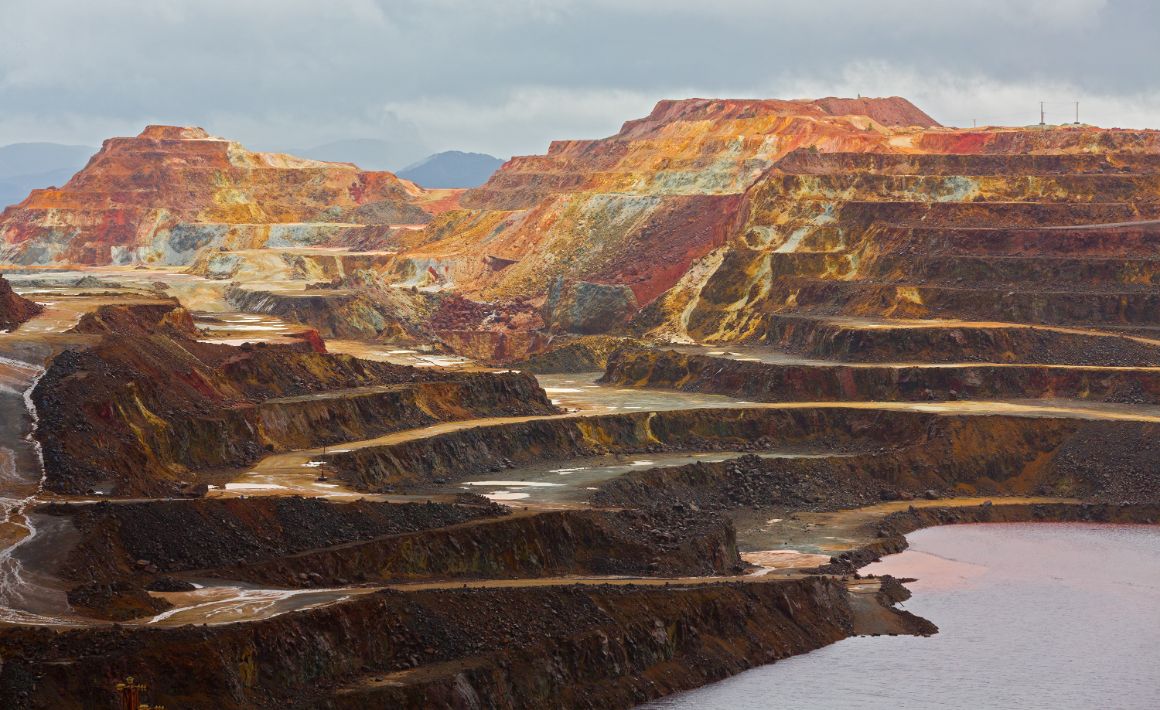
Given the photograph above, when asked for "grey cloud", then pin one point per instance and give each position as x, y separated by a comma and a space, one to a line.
505, 76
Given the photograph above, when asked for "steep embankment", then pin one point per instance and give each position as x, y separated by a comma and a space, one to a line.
296, 542
171, 192
155, 406
903, 450
825, 382
14, 309
585, 646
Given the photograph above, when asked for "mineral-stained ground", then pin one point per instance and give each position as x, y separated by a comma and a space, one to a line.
622, 421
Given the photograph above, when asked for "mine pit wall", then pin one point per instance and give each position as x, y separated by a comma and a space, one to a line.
817, 338
805, 162
608, 647
1113, 239
551, 544
493, 346
1114, 460
767, 382
148, 459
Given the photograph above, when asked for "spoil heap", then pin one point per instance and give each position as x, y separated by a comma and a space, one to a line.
14, 309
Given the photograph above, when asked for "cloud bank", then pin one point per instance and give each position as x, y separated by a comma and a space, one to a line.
507, 76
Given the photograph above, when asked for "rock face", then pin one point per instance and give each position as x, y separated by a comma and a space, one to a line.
166, 194
14, 309
588, 308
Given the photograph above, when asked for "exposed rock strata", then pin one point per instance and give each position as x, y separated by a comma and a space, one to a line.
849, 340
636, 543
1059, 237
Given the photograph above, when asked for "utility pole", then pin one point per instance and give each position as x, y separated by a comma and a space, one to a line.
130, 692
1042, 114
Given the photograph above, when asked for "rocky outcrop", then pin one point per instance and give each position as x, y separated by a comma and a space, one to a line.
154, 406
588, 308
168, 193
588, 353
14, 309
595, 646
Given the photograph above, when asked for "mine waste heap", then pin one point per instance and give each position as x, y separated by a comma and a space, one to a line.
623, 421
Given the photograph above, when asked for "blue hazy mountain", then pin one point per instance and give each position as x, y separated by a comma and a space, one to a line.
27, 166
367, 153
452, 168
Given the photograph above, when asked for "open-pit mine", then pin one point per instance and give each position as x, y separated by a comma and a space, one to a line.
626, 420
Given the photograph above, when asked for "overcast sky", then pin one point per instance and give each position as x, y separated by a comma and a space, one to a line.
507, 76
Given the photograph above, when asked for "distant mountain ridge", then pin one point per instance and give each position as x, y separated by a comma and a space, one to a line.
452, 168
28, 166
368, 153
